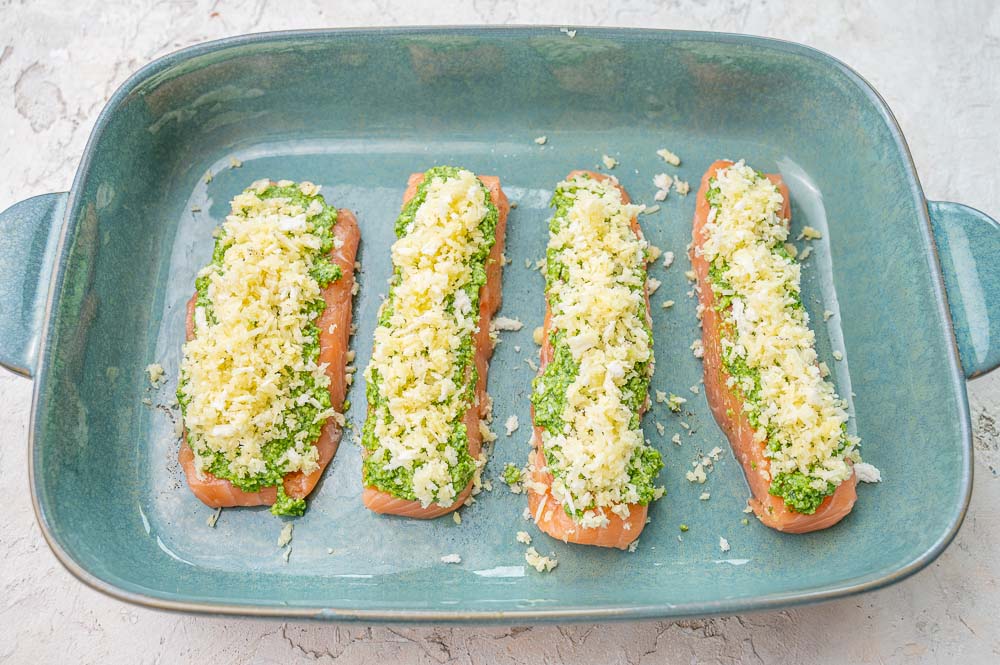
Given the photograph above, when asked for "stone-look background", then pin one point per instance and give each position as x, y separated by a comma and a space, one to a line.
937, 65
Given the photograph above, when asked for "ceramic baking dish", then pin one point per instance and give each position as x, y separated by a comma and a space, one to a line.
94, 283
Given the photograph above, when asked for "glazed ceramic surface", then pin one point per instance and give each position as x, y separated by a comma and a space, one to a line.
107, 270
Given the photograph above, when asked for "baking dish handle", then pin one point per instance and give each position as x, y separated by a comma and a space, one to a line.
968, 243
29, 231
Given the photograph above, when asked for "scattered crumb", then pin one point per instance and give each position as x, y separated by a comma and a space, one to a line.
155, 372
674, 402
676, 438
633, 546
660, 428
285, 536
715, 453
234, 163
569, 33
667, 304
705, 496
456, 518
695, 389
538, 335
511, 425
837, 355
329, 550
651, 209
214, 517
691, 276
809, 233
531, 364
748, 509
697, 349
792, 250
867, 473
662, 181
541, 140
609, 161
527, 264
661, 396
147, 401
653, 252
685, 426
524, 537
517, 349
668, 259
824, 370
652, 284
526, 514
542, 564
697, 475
681, 186
805, 253
660, 195
451, 558
827, 315
513, 205
507, 324
723, 544
669, 157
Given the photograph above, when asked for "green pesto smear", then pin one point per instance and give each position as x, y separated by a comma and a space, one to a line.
794, 488
398, 481
549, 388
301, 417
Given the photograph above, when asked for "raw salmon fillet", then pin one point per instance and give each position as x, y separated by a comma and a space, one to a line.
551, 518
771, 510
489, 302
220, 493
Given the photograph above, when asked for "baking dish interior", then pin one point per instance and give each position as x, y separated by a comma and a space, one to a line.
357, 112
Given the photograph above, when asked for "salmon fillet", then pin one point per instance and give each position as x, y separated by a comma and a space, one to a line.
489, 302
545, 509
220, 493
771, 510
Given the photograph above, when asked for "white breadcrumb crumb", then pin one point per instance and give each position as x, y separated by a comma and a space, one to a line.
805, 253
569, 33
695, 389
837, 355
451, 558
235, 163
329, 550
667, 304
652, 284
809, 233
542, 564
697, 475
691, 275
674, 402
147, 401
723, 544
285, 536
660, 428
705, 496
541, 140
609, 161
517, 349
456, 518
697, 349
213, 518
524, 537
155, 372
660, 195
538, 335
669, 157
634, 545
676, 438
650, 210
748, 508
507, 324
527, 264
824, 370
715, 453
661, 396
511, 425
668, 259
827, 315
867, 473
681, 187
662, 181
526, 514
653, 252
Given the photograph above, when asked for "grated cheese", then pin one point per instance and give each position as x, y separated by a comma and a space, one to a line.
669, 157
542, 564
507, 325
524, 537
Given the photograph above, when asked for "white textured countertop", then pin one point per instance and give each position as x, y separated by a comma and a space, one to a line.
938, 68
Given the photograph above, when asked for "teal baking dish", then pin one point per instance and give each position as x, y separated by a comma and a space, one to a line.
95, 280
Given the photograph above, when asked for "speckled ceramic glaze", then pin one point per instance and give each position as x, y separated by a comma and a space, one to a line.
93, 287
